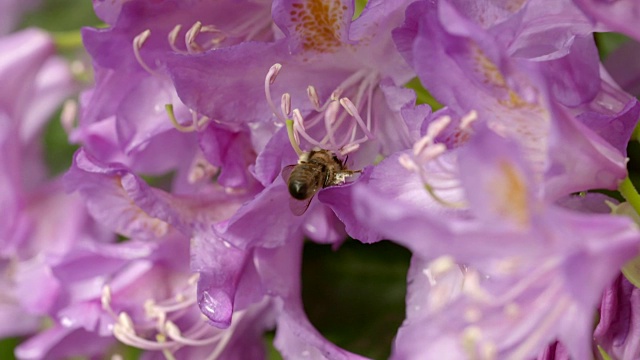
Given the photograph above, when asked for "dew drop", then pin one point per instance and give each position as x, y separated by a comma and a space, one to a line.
66, 322
217, 308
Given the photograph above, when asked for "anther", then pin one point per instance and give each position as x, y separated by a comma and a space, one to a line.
285, 104
105, 298
138, 41
468, 119
312, 94
436, 127
353, 111
273, 73
68, 115
432, 152
408, 163
190, 37
268, 81
125, 322
173, 36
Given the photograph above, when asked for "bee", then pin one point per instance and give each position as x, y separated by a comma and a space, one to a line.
315, 170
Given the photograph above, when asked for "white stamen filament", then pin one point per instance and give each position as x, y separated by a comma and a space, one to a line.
353, 111
312, 94
196, 124
327, 113
138, 41
329, 120
173, 36
105, 300
169, 338
469, 118
349, 148
272, 74
298, 128
201, 169
190, 38
68, 115
174, 333
285, 104
437, 126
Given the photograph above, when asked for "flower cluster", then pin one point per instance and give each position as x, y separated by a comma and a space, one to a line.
219, 136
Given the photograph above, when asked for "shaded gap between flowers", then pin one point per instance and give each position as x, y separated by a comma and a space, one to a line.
58, 152
355, 296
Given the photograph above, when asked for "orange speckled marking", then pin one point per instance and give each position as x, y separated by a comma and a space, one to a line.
513, 196
318, 23
489, 71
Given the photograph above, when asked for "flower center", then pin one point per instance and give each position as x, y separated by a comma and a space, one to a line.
161, 331
426, 160
336, 125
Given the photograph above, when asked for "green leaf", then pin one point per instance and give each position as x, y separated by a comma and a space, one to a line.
604, 354
422, 95
631, 271
7, 346
608, 42
58, 153
355, 296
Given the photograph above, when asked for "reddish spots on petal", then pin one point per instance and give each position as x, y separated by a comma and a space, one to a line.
318, 24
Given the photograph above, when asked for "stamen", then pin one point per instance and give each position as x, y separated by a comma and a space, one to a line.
196, 124
105, 300
138, 41
268, 81
466, 120
328, 113
298, 127
221, 345
174, 333
437, 126
201, 169
285, 104
166, 352
349, 148
353, 111
408, 163
293, 138
173, 36
69, 115
330, 119
190, 38
312, 94
432, 152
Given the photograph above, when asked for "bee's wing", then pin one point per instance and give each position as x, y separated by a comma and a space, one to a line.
286, 172
298, 207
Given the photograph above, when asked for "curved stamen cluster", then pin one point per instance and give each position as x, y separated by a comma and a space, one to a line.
426, 159
201, 169
197, 122
511, 304
338, 134
161, 333
216, 37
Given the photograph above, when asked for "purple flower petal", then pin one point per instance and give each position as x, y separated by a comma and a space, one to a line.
618, 15
619, 326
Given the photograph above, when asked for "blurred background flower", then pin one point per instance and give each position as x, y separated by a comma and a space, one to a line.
145, 214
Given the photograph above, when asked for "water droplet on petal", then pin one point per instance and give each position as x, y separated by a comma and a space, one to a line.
66, 322
217, 307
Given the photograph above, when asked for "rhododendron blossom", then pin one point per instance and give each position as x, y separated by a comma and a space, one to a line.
219, 144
